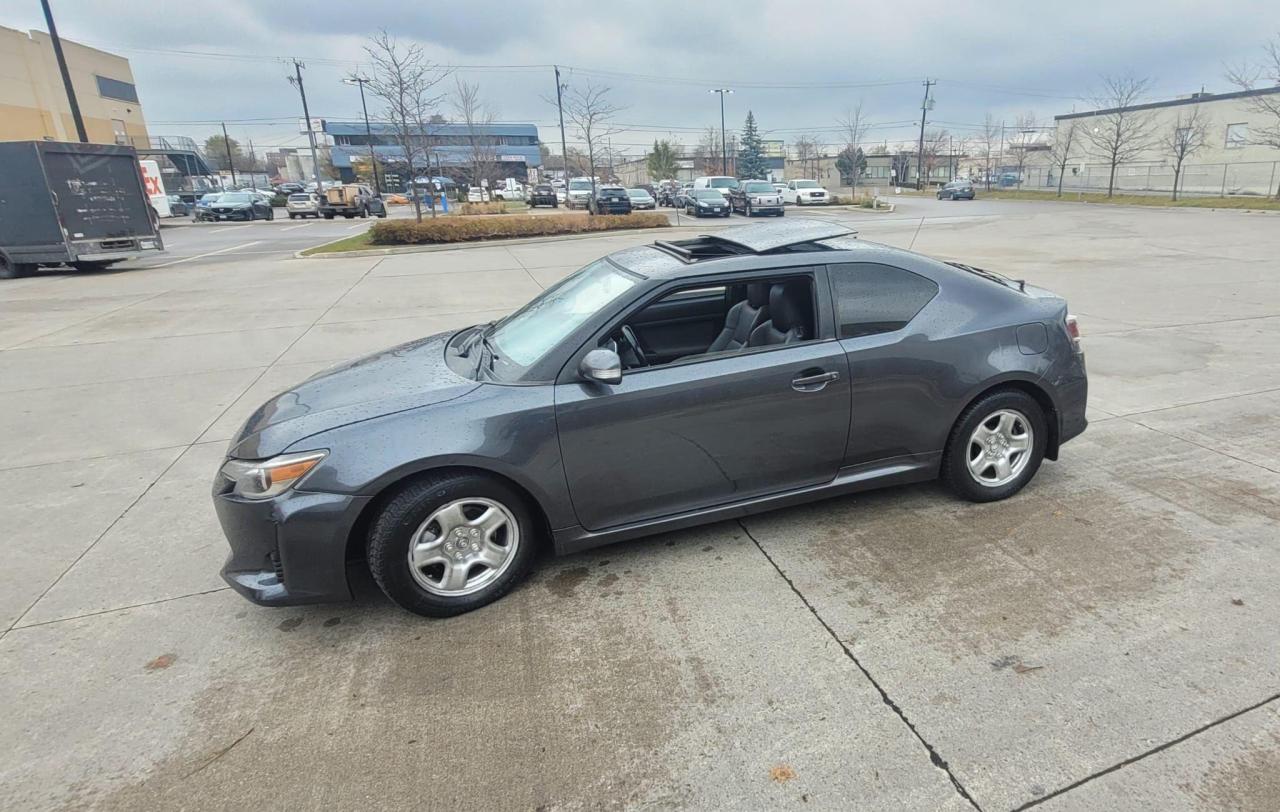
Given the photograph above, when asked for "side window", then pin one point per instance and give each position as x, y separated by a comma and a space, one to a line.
874, 299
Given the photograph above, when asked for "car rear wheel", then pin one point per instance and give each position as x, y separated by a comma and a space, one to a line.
15, 270
996, 447
447, 544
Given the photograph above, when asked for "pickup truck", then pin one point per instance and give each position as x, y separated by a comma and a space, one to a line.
755, 197
349, 200
82, 205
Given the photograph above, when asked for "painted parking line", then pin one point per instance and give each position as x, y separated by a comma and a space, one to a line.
291, 228
357, 225
209, 254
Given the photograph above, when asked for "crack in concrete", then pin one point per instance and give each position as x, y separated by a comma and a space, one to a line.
934, 756
1157, 749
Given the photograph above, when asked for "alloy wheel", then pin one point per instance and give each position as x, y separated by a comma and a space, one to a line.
999, 448
463, 546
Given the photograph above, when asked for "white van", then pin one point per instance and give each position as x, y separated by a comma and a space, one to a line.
721, 183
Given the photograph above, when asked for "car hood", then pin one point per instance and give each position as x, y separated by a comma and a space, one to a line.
405, 377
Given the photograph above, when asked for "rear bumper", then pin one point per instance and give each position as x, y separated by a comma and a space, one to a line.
1073, 399
289, 550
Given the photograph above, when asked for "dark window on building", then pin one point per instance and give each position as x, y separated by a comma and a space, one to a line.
116, 89
874, 299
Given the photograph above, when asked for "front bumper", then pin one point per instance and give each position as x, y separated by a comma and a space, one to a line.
288, 550
236, 214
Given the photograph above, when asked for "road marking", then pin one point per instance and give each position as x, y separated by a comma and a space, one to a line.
357, 225
202, 256
291, 228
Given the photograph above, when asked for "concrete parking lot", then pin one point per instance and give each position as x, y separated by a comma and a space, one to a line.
1109, 638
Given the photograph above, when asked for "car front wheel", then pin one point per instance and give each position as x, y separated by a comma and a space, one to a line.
450, 543
996, 447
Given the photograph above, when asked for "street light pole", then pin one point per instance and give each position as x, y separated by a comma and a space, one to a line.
368, 131
724, 148
66, 75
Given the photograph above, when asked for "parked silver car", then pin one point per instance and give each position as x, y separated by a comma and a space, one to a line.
303, 204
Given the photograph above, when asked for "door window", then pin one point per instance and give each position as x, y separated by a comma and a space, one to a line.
874, 299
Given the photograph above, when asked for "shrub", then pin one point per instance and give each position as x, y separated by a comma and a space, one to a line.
280, 201
482, 208
459, 229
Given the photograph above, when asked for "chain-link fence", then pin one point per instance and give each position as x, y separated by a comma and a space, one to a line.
1222, 180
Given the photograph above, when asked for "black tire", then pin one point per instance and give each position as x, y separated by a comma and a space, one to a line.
271, 214
15, 270
955, 469
293, 216
395, 525
328, 216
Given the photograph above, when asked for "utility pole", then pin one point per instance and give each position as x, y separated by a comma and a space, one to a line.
66, 75
356, 79
999, 156
564, 149
724, 145
924, 111
226, 144
610, 148
296, 81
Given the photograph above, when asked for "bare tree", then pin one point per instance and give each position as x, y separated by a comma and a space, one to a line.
1024, 140
989, 139
936, 145
476, 117
807, 153
853, 126
590, 110
707, 154
1265, 105
1118, 132
1189, 135
404, 81
1065, 142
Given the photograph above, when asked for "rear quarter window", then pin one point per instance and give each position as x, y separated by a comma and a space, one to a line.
873, 299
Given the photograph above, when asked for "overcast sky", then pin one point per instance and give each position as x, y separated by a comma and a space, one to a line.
797, 65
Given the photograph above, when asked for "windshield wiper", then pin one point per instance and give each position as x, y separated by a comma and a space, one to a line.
476, 338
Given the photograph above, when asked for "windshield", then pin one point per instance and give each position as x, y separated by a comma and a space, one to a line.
524, 337
637, 193
758, 186
723, 183
210, 198
580, 185
707, 194
299, 198
236, 198
806, 184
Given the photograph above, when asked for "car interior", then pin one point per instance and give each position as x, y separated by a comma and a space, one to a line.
700, 321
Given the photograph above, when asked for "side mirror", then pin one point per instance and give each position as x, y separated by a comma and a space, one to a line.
601, 366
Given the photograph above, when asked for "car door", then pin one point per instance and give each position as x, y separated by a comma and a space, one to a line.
694, 434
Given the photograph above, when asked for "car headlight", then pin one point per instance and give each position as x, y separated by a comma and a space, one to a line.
263, 479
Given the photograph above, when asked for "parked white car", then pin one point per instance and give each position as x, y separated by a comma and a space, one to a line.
721, 183
303, 204
477, 194
805, 193
579, 196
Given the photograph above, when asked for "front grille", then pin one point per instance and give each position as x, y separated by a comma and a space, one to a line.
112, 245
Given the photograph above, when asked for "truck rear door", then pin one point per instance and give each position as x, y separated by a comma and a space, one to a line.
98, 192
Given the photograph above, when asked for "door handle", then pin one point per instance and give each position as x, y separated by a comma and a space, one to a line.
813, 383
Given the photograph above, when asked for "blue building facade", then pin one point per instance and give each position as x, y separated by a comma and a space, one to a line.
515, 147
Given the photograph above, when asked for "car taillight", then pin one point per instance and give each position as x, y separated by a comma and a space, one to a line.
1073, 330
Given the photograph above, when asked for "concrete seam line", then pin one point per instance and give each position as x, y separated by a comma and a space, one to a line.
115, 609
1199, 445
1157, 749
934, 757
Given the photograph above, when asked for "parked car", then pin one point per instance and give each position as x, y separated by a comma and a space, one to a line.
956, 190
578, 195
641, 199
477, 194
706, 203
805, 193
544, 194
611, 200
664, 386
722, 183
682, 195
668, 192
289, 188
178, 207
240, 206
303, 204
201, 209
756, 197
779, 187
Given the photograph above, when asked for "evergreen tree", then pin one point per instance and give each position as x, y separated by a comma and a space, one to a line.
662, 162
751, 162
851, 163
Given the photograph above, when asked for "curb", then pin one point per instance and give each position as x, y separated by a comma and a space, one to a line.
462, 246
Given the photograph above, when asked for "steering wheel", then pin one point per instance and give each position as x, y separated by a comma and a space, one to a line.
633, 343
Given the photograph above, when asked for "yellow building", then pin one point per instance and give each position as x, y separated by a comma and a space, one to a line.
33, 101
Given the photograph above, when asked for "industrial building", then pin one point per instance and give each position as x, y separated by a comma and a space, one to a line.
512, 149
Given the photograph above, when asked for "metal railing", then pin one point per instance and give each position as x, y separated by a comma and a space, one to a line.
1254, 178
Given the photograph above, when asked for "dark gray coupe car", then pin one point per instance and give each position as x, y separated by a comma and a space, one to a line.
659, 387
